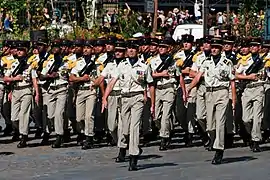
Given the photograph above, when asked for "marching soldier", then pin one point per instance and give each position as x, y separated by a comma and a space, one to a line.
55, 72
218, 75
133, 76
184, 61
82, 75
198, 60
250, 71
22, 77
165, 72
6, 61
114, 121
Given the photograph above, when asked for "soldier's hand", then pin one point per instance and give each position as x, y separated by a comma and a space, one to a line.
37, 98
152, 109
165, 73
54, 75
145, 99
10, 96
253, 77
104, 105
86, 77
18, 78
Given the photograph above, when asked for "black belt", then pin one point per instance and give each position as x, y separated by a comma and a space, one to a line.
188, 81
22, 87
212, 89
165, 86
115, 93
131, 94
254, 85
58, 87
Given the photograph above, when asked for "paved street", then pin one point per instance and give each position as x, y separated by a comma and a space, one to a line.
45, 163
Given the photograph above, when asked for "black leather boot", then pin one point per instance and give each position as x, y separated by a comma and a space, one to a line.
59, 142
8, 130
16, 133
188, 139
22, 143
228, 141
45, 139
89, 143
133, 163
218, 157
212, 135
121, 156
66, 136
80, 139
38, 133
163, 144
256, 147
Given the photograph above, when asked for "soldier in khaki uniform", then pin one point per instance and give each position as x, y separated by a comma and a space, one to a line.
82, 75
218, 75
198, 60
22, 77
55, 72
186, 111
251, 71
114, 121
133, 76
165, 72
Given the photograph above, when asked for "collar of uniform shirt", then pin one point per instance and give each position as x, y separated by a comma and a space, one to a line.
133, 61
207, 53
216, 58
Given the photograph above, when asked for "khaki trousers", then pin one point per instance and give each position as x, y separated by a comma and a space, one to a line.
252, 102
114, 121
56, 107
216, 107
131, 113
20, 108
164, 105
85, 106
201, 106
191, 110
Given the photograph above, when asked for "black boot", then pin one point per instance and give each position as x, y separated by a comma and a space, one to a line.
16, 136
8, 130
59, 142
188, 139
38, 133
22, 143
66, 137
89, 143
133, 163
228, 141
163, 144
212, 135
206, 139
218, 157
80, 139
45, 139
256, 147
121, 155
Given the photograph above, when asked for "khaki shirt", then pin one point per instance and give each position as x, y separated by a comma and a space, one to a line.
107, 73
243, 67
62, 71
133, 78
181, 57
173, 70
217, 75
99, 61
27, 74
199, 58
80, 64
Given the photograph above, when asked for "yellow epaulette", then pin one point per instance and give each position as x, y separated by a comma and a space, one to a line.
34, 65
243, 59
179, 62
101, 67
196, 55
31, 59
148, 61
65, 58
7, 63
71, 64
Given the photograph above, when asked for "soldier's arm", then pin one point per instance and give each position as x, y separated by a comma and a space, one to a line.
233, 94
99, 80
102, 88
195, 81
74, 79
160, 74
186, 71
109, 88
8, 79
245, 77
192, 73
153, 98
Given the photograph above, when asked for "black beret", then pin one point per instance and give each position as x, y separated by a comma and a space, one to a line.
78, 42
133, 43
187, 38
